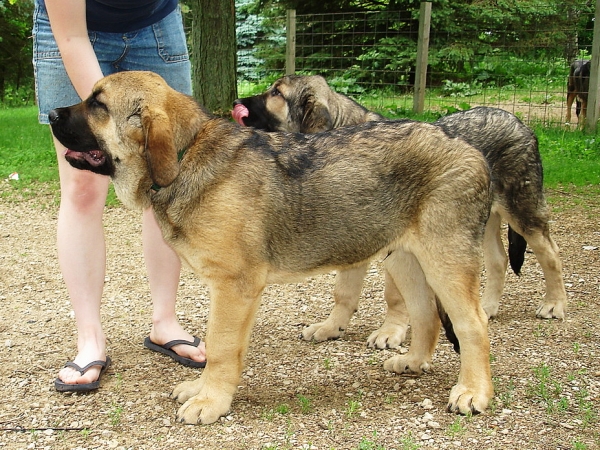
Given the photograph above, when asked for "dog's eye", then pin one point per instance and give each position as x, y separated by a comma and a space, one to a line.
94, 103
275, 92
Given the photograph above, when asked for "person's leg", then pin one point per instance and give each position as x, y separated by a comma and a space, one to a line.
163, 266
82, 259
161, 48
80, 234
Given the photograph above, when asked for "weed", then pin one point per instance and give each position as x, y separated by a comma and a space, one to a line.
352, 409
456, 428
546, 389
579, 445
115, 414
409, 443
508, 394
305, 404
366, 444
587, 411
282, 409
328, 364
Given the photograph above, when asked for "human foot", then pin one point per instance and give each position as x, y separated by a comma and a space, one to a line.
169, 350
179, 342
81, 384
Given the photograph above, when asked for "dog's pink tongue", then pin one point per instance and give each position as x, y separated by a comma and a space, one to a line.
239, 112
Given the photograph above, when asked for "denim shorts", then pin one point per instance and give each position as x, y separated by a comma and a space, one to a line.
160, 48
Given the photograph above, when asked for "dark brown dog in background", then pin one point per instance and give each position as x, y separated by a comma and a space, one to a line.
245, 208
307, 104
578, 86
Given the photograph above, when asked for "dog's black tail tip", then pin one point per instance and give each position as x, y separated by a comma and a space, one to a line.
516, 250
448, 327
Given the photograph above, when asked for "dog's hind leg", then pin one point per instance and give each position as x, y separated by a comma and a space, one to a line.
571, 96
410, 280
496, 263
457, 287
547, 254
346, 294
393, 330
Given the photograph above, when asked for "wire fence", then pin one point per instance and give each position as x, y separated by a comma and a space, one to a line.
371, 57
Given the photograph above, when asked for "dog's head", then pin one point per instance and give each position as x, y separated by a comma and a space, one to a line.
293, 103
132, 126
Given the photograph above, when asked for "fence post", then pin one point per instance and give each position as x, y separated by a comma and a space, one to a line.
591, 120
422, 54
290, 42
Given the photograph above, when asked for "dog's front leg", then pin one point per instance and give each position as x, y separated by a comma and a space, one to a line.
232, 314
392, 332
348, 285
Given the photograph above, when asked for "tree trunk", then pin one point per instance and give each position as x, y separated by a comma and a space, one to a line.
214, 54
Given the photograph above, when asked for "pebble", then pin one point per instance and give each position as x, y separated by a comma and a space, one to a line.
427, 404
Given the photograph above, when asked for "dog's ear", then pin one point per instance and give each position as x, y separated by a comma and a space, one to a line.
161, 154
316, 117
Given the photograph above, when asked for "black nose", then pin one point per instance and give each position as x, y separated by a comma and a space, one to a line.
53, 116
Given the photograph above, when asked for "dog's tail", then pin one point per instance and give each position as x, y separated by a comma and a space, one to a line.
448, 327
516, 250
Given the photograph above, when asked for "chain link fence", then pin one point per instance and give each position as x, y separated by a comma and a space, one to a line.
371, 57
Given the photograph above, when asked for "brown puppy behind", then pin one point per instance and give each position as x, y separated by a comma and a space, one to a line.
308, 104
244, 208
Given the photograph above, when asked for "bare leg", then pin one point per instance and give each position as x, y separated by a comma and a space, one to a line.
82, 260
163, 266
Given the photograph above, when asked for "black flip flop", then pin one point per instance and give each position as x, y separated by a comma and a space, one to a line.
61, 386
166, 350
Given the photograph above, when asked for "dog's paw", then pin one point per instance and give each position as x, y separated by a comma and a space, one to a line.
388, 336
406, 364
203, 409
468, 401
322, 331
491, 308
551, 310
186, 390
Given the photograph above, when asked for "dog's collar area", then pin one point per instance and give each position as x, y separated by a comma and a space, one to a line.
155, 187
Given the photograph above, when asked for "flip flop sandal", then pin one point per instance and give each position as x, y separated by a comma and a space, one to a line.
166, 350
61, 386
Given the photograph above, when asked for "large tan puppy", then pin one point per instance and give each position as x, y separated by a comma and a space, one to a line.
307, 104
244, 208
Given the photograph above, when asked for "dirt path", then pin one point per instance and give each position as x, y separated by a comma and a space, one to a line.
293, 395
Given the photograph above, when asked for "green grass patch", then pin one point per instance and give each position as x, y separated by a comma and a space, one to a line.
26, 148
571, 158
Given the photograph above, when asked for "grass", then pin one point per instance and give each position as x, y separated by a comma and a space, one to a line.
26, 148
571, 158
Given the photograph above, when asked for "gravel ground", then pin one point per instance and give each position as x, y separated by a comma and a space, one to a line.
293, 394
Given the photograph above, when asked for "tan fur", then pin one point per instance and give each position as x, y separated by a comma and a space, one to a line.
245, 208
511, 150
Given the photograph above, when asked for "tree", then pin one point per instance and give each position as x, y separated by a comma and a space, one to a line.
16, 71
213, 51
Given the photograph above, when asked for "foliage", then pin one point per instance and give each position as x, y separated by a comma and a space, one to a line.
489, 42
16, 71
261, 42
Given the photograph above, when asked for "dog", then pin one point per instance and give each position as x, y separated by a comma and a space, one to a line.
308, 104
578, 86
244, 208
